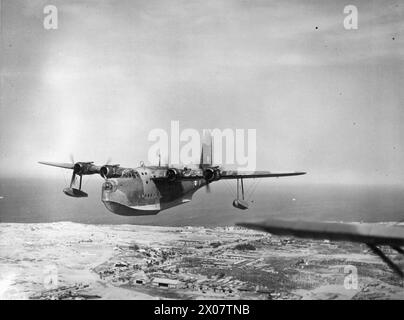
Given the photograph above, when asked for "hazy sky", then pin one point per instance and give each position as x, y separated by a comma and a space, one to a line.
323, 99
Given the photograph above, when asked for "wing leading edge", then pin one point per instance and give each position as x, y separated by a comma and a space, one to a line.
257, 174
370, 234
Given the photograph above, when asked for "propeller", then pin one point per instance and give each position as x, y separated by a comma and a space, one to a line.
211, 174
79, 169
73, 179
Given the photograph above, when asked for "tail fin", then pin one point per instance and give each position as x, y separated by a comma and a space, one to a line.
206, 153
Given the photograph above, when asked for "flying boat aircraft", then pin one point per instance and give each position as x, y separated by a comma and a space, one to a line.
147, 190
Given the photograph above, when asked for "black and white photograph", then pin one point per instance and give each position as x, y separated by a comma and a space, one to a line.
229, 151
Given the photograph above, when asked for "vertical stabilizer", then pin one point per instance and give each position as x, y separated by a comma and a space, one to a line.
206, 159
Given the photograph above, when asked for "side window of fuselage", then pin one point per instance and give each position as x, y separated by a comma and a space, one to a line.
129, 174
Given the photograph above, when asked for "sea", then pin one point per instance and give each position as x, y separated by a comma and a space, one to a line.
30, 200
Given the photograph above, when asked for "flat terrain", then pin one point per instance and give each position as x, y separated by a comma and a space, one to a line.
67, 260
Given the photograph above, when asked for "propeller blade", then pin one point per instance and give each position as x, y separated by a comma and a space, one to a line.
71, 158
58, 164
208, 188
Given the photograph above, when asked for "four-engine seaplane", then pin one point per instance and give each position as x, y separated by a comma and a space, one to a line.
147, 190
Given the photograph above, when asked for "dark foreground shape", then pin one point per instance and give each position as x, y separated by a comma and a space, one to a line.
370, 234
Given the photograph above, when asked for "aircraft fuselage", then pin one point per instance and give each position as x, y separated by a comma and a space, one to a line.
136, 193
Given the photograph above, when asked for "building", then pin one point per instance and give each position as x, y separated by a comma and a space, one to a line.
166, 283
140, 278
191, 243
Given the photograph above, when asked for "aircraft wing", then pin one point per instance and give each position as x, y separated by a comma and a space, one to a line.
365, 233
229, 174
370, 234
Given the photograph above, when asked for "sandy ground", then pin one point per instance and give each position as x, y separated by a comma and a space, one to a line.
31, 255
57, 260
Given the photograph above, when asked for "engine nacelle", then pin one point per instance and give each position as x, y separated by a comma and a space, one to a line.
172, 174
211, 174
84, 168
111, 171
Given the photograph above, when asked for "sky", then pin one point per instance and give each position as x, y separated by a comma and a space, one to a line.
322, 99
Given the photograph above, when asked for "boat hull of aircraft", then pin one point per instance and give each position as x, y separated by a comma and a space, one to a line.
137, 197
